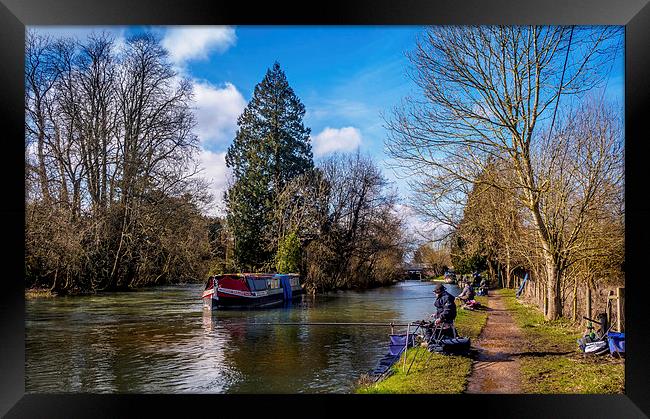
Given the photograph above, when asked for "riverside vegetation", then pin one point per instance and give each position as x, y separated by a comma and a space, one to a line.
517, 154
113, 200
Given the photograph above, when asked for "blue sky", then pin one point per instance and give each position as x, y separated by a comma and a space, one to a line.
346, 77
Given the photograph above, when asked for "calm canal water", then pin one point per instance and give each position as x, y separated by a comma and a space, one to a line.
161, 340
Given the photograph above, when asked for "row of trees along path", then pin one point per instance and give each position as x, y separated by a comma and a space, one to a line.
513, 128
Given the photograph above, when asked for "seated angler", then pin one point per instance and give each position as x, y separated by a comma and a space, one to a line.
445, 311
467, 294
483, 287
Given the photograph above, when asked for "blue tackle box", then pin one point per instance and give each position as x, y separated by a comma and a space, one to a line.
616, 342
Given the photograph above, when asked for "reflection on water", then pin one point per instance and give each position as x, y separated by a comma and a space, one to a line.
161, 340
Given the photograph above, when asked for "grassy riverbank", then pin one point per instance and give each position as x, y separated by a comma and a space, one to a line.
550, 360
442, 373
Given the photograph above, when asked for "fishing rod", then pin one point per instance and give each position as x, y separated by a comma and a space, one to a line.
371, 300
426, 284
384, 299
391, 324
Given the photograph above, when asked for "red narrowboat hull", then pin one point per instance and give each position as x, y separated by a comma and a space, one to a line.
245, 291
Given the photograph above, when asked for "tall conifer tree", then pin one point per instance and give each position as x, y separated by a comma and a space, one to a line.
270, 148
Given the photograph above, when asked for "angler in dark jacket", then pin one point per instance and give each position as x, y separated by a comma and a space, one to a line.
445, 305
445, 313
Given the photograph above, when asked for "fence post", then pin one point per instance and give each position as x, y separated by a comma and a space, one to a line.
620, 308
575, 300
609, 307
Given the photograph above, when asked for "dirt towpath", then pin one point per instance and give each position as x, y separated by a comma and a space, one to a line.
496, 368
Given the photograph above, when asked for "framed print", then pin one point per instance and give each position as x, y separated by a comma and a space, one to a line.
256, 207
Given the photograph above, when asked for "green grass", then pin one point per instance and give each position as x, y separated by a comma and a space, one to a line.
541, 335
470, 323
553, 363
433, 372
438, 374
556, 374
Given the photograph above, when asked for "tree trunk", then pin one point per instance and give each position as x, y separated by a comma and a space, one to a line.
55, 283
553, 289
508, 269
499, 275
553, 272
575, 299
490, 269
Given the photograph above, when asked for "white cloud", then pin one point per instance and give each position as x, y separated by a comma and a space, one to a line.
336, 139
195, 42
214, 170
216, 111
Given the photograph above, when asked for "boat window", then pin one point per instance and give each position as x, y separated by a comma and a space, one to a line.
257, 284
260, 284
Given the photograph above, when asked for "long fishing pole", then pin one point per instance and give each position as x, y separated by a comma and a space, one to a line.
399, 299
331, 324
426, 284
372, 300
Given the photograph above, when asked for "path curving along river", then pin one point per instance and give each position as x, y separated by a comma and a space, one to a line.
161, 340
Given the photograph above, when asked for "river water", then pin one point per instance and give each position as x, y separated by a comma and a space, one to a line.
161, 340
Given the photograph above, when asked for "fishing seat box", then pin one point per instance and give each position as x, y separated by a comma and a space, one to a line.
451, 346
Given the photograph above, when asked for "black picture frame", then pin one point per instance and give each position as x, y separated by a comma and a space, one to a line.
16, 14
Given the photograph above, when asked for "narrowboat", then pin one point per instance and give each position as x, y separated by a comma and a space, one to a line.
250, 290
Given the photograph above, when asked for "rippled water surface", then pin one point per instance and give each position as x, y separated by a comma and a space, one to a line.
161, 340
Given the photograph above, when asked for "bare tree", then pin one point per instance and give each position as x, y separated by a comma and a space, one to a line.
41, 74
111, 154
490, 93
346, 221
